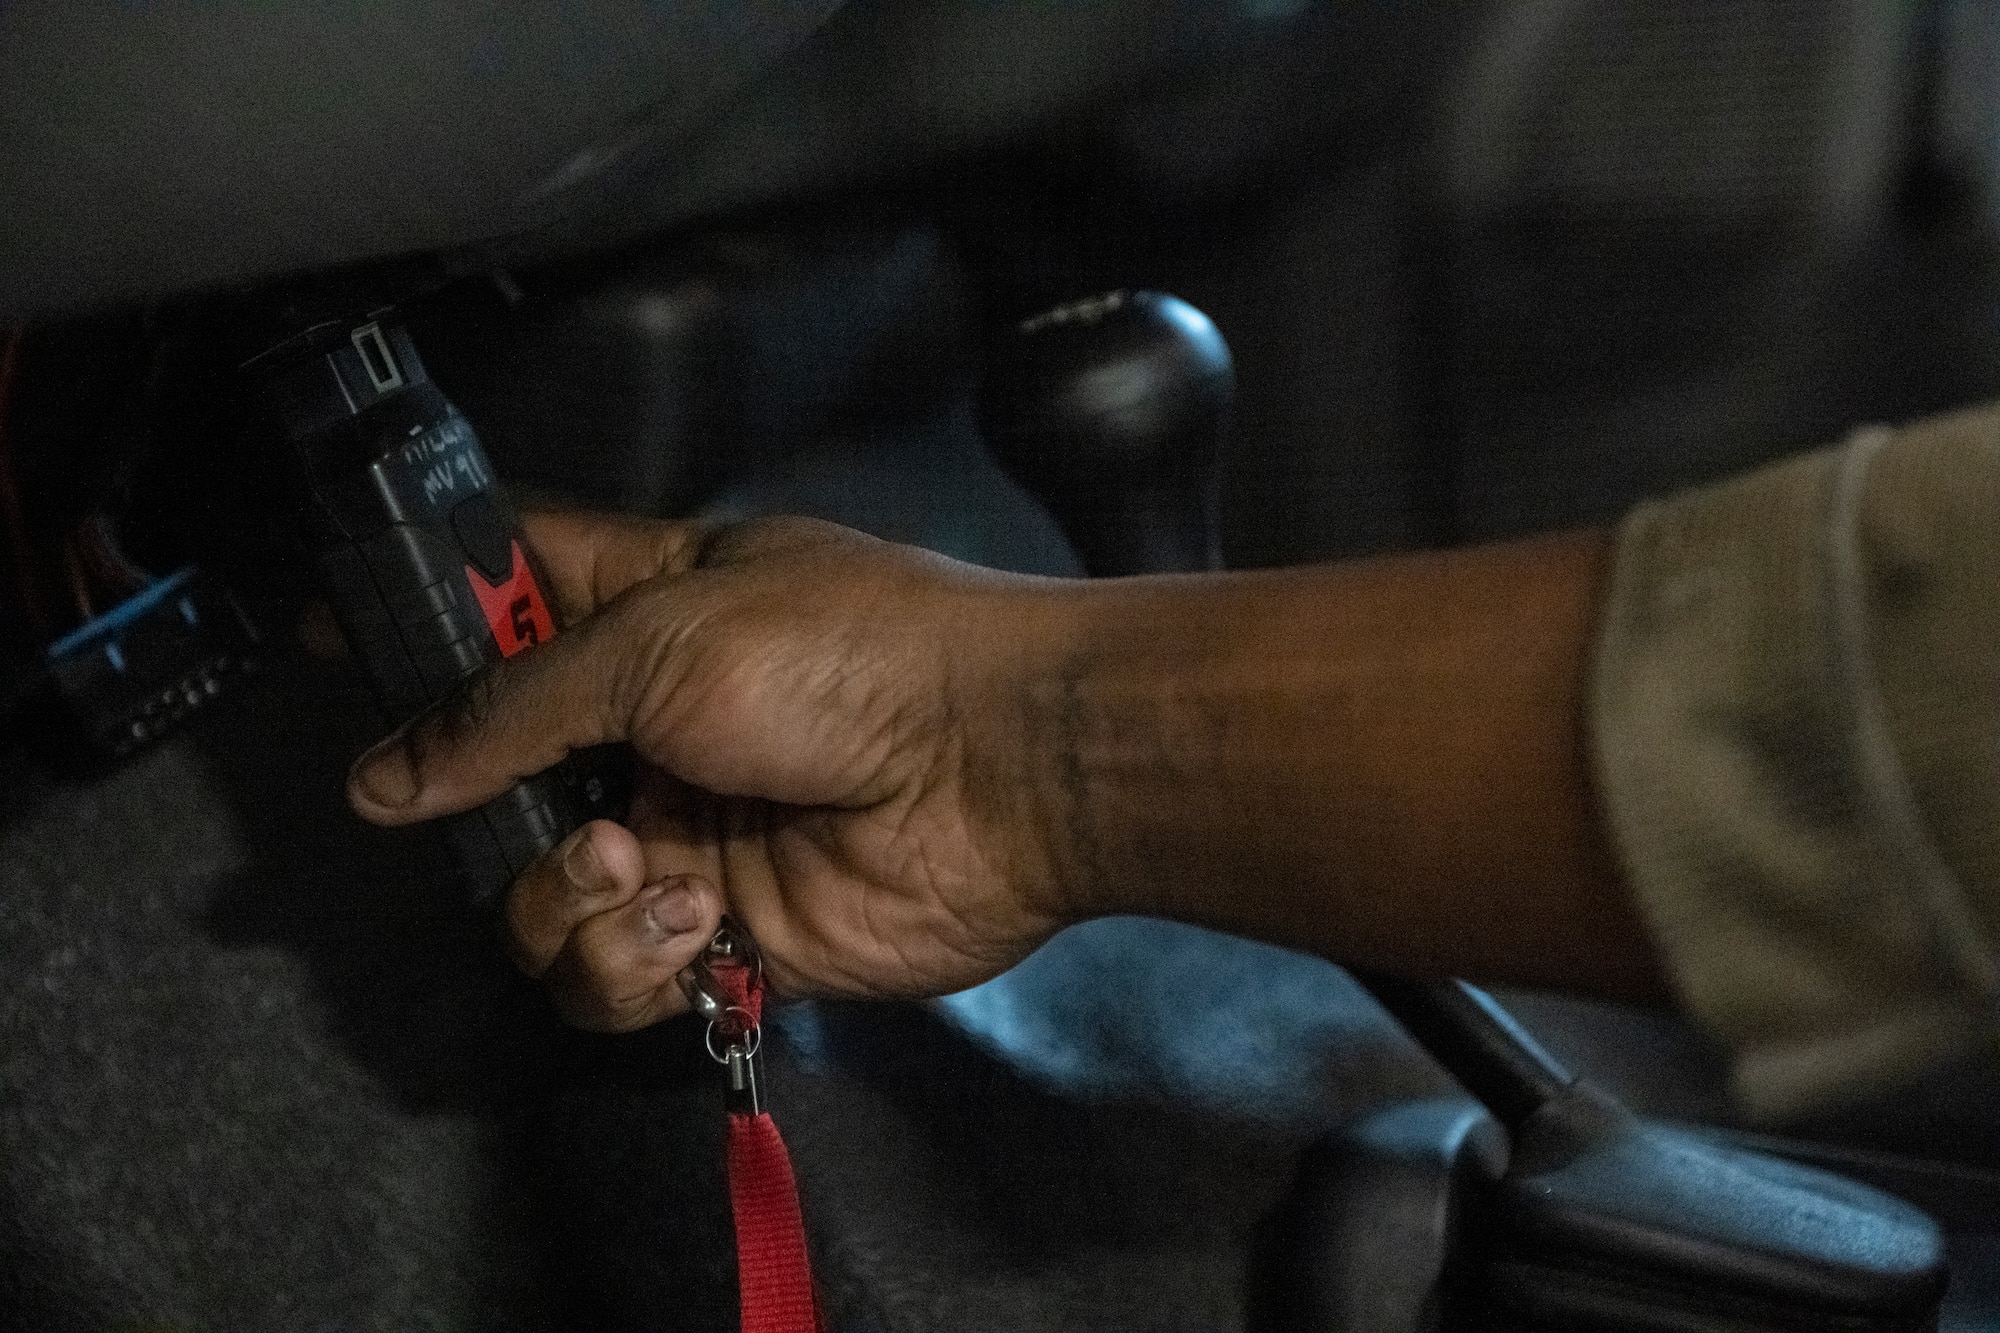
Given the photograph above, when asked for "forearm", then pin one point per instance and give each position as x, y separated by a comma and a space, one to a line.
1383, 762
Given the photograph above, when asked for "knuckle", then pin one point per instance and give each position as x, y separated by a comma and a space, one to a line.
607, 642
593, 968
633, 648
579, 995
605, 960
680, 547
454, 723
472, 709
775, 535
528, 942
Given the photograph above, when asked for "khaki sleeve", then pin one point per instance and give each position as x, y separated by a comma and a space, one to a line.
1796, 722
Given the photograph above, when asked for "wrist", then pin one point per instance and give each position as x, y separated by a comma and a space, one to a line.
1098, 704
1019, 651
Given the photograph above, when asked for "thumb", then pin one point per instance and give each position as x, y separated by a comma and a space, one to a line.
592, 558
512, 721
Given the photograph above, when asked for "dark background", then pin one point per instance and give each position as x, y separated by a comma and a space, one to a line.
1486, 269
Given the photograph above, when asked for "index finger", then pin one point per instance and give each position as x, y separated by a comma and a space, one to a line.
592, 558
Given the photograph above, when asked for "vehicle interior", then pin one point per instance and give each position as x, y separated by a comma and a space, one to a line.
1420, 275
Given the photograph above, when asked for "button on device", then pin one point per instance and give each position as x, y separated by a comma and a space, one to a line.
487, 536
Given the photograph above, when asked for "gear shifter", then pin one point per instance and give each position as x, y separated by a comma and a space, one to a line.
1111, 411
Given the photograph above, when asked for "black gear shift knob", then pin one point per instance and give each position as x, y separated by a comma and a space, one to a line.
1111, 411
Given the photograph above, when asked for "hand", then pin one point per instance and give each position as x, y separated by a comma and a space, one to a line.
833, 749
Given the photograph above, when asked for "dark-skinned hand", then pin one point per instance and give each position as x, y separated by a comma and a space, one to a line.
903, 773
830, 751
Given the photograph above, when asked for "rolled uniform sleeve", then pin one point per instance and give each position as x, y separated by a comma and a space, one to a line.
1796, 722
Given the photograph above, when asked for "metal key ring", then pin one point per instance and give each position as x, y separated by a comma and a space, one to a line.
697, 981
731, 940
753, 1035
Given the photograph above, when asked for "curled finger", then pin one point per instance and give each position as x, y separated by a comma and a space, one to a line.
617, 971
594, 870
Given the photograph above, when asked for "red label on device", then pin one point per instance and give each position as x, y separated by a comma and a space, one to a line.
515, 610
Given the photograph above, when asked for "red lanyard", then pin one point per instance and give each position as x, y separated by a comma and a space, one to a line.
774, 1272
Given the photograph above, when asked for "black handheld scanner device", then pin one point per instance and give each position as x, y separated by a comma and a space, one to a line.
415, 545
